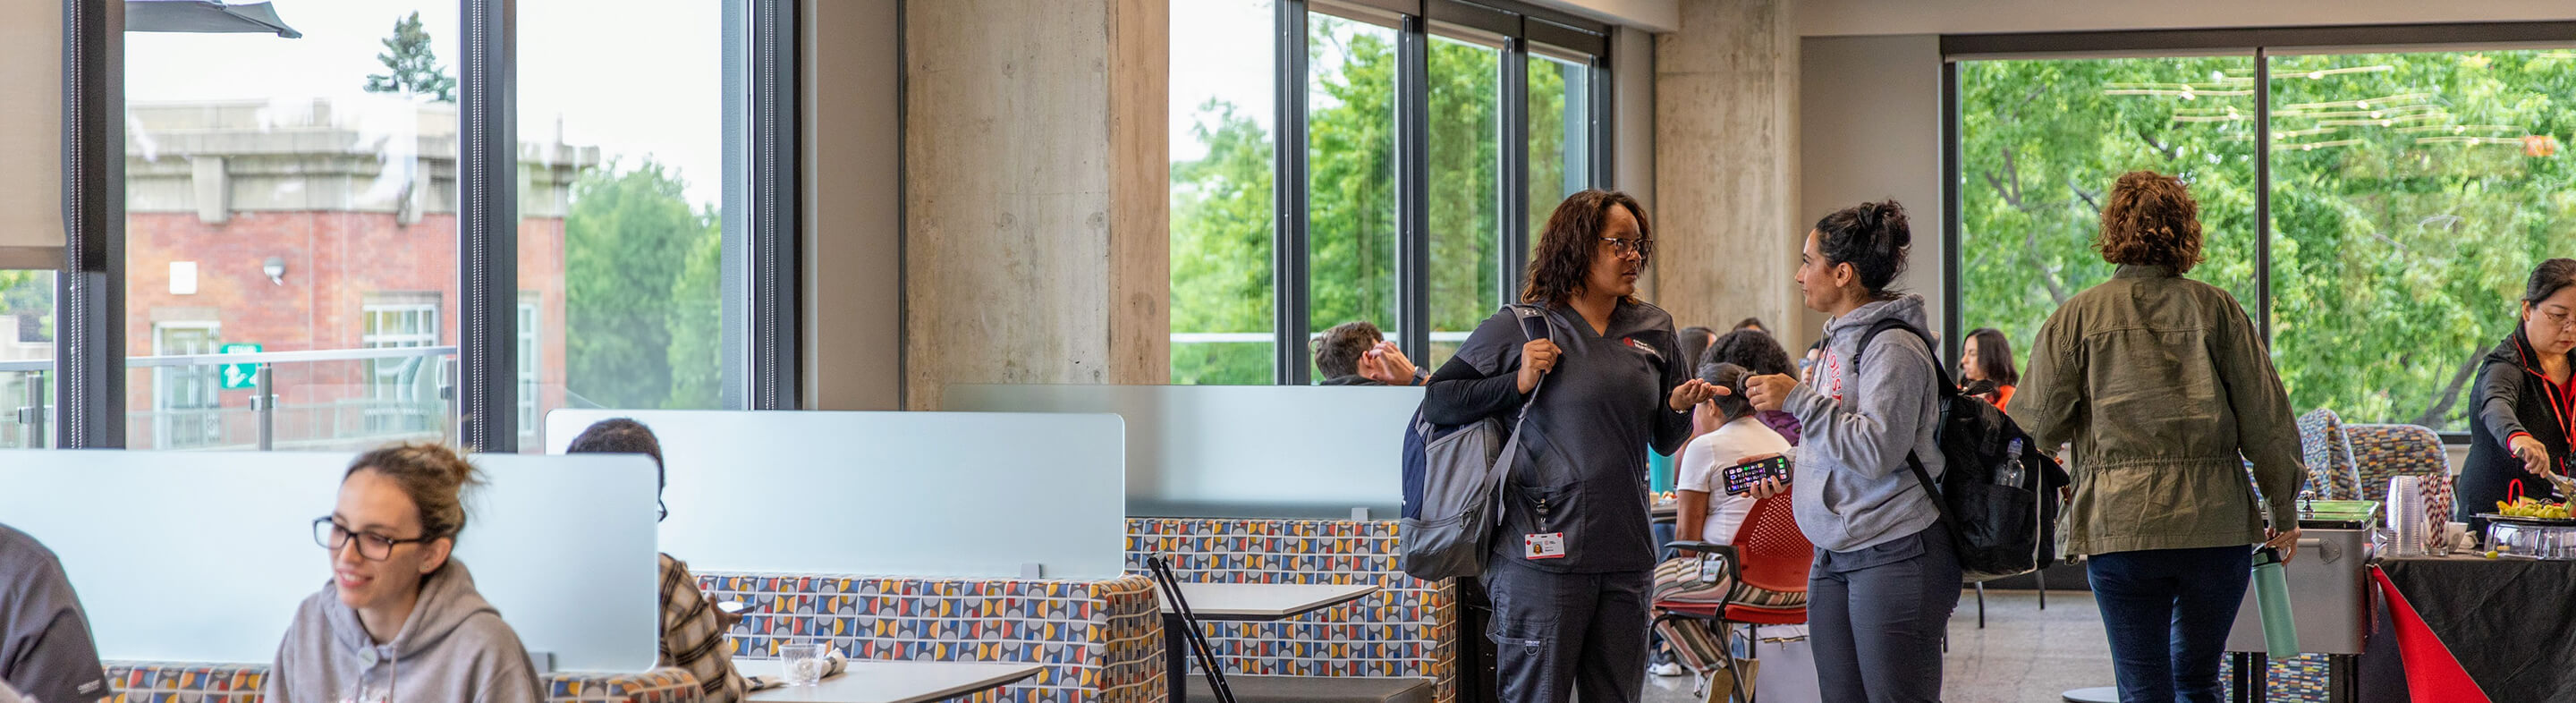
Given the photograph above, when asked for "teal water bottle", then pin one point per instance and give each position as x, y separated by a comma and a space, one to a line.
2272, 594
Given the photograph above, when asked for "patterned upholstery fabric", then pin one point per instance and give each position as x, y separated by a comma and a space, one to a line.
2331, 471
2385, 451
160, 682
1100, 641
1406, 629
666, 685
2301, 678
157, 682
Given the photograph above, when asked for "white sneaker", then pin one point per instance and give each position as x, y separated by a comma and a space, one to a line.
1665, 669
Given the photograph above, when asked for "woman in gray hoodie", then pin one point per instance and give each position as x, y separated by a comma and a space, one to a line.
399, 620
1885, 578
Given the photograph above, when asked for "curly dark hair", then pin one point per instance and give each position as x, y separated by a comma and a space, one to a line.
1563, 257
2150, 220
1872, 237
1755, 350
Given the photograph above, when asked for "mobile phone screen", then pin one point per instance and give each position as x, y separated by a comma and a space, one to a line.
1741, 477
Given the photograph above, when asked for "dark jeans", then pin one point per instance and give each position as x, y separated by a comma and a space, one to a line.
1554, 632
2168, 612
1876, 616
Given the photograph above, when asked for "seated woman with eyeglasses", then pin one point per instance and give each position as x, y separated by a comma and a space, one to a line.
400, 619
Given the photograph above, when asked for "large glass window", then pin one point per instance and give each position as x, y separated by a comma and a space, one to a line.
621, 220
275, 189
2411, 193
2411, 196
1560, 135
1406, 150
1465, 149
1222, 65
2041, 142
1350, 157
26, 359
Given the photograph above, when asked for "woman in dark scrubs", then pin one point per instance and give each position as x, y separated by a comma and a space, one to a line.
1574, 558
2525, 403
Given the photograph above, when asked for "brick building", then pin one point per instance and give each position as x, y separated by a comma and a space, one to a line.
316, 225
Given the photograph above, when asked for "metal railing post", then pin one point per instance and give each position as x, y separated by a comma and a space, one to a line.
263, 406
33, 415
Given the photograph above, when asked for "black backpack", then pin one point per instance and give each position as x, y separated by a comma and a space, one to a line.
1998, 493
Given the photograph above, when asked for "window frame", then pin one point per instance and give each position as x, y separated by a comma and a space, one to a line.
1515, 25
760, 281
2260, 43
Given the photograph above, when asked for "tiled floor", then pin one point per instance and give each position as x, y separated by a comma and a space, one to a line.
2024, 654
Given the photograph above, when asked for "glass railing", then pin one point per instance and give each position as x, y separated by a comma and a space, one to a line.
323, 400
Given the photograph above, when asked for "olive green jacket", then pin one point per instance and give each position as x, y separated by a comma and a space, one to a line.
2161, 383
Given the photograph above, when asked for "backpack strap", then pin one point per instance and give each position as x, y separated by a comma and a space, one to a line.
1942, 386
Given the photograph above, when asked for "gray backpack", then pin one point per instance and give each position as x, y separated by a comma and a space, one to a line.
1453, 482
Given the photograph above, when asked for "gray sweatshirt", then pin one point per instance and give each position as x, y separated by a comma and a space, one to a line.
454, 647
1852, 488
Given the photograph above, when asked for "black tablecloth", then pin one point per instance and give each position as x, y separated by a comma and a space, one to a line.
2511, 623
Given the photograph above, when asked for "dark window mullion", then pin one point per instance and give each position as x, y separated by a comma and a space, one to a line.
89, 352
1514, 169
2263, 194
1413, 188
1288, 185
1953, 314
488, 227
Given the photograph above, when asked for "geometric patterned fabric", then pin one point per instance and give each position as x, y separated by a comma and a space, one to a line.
2331, 471
2385, 451
1406, 629
163, 682
1098, 641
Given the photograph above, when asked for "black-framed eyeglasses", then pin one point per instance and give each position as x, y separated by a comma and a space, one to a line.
370, 546
1622, 245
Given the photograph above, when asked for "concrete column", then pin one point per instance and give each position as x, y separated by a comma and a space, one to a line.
1038, 179
1726, 91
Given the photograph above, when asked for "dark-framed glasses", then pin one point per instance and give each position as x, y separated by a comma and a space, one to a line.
372, 547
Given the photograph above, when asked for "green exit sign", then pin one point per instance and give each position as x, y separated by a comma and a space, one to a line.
239, 376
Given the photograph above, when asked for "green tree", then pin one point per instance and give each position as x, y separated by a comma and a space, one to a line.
637, 289
2397, 245
411, 67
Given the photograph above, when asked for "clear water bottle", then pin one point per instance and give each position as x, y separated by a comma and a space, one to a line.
2010, 474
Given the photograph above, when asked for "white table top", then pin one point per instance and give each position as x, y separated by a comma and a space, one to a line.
880, 681
1266, 601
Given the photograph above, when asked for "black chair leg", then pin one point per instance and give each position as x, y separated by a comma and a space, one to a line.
1981, 607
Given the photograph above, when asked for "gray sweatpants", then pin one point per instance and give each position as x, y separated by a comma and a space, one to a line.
1875, 618
1558, 632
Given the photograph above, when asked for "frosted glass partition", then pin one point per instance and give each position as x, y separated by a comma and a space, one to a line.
203, 556
1239, 451
950, 495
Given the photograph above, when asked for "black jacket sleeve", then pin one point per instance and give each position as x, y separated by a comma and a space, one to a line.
1479, 382
2499, 391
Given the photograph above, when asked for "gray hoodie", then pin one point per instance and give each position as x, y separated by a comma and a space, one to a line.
1853, 489
454, 647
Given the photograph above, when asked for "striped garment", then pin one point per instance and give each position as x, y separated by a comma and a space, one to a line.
693, 635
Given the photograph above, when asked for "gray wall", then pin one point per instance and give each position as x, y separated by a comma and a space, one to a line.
1870, 129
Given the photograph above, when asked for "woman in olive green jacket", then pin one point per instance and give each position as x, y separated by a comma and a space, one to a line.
2164, 387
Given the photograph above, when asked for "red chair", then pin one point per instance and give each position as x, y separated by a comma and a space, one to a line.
1769, 553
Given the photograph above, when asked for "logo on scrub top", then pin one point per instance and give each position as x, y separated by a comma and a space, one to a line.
1643, 347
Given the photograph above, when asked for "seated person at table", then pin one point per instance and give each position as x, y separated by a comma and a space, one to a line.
400, 619
1707, 512
45, 651
1356, 354
693, 631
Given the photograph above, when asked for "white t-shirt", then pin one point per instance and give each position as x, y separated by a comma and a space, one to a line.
1703, 467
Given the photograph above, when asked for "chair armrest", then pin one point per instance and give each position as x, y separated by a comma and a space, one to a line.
1734, 561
